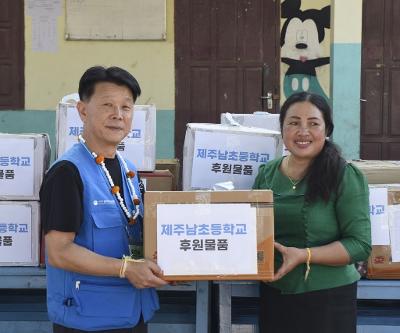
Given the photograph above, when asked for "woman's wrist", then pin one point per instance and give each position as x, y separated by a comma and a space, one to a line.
304, 256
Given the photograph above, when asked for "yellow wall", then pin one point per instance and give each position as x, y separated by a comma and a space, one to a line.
347, 20
49, 76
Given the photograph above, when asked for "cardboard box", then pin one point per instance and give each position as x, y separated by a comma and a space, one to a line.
24, 158
174, 166
379, 172
259, 119
380, 264
194, 249
19, 233
215, 153
157, 180
139, 146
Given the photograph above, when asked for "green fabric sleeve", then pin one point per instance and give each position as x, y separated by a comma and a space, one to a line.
259, 177
352, 211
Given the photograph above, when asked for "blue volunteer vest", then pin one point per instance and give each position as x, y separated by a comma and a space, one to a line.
95, 303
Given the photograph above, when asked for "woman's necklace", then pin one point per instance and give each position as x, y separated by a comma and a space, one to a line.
294, 182
99, 159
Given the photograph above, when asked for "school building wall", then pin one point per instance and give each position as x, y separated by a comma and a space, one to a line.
49, 76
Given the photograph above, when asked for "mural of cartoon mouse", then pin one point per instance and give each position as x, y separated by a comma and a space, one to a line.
301, 36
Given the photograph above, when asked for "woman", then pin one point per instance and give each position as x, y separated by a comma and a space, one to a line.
322, 226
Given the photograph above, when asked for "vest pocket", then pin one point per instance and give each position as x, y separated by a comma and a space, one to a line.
109, 234
107, 301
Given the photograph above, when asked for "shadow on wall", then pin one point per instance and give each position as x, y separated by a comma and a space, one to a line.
301, 38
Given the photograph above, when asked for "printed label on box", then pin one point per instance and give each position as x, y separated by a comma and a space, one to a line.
220, 157
378, 210
394, 224
134, 144
17, 167
15, 233
131, 147
206, 239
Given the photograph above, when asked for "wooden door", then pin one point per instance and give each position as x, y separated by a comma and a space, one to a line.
221, 47
380, 103
11, 54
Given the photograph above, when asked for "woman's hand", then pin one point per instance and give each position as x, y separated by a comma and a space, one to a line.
292, 257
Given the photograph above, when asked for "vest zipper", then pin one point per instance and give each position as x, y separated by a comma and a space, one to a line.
77, 283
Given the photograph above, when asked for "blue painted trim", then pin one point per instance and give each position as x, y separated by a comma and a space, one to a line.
30, 121
165, 138
345, 96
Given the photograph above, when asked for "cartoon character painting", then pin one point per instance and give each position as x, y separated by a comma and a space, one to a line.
301, 36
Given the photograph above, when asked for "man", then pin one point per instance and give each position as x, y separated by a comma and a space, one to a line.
92, 214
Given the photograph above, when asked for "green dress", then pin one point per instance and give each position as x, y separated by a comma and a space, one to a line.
343, 218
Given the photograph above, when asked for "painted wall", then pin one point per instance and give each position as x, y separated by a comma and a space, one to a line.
346, 74
300, 28
51, 75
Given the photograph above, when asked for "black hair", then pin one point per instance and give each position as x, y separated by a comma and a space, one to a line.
324, 174
114, 74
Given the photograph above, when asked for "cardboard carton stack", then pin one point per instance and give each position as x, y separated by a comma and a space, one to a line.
23, 160
384, 261
215, 235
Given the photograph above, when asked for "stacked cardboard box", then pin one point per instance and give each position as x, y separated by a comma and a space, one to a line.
259, 119
173, 166
139, 146
200, 235
158, 180
384, 261
23, 160
215, 153
379, 172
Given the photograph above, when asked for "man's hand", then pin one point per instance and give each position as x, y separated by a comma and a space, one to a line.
292, 257
144, 274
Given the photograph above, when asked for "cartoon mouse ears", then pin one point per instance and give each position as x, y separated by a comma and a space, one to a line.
291, 8
325, 17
